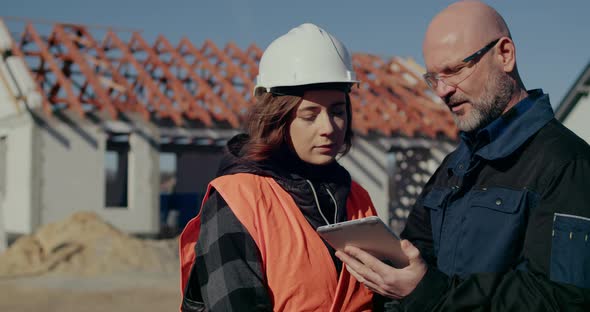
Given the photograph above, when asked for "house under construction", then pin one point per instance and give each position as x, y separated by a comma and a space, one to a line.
101, 120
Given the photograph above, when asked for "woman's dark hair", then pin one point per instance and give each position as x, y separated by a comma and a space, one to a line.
268, 121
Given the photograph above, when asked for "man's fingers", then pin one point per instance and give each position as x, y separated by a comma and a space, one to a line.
355, 274
374, 274
411, 252
369, 284
359, 276
373, 287
357, 267
353, 265
368, 260
348, 259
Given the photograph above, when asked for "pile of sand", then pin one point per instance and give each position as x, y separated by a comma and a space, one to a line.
84, 244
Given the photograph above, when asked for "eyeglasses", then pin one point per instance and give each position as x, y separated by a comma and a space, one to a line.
459, 73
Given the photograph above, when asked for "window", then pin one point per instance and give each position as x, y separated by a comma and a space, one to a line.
167, 172
116, 171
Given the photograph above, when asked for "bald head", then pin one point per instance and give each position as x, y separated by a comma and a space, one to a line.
477, 88
464, 26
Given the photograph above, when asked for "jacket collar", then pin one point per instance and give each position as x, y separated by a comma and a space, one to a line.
505, 135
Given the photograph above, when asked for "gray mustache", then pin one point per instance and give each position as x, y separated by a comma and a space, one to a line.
452, 100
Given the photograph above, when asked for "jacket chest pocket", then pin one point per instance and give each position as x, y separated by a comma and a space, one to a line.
570, 250
493, 228
434, 203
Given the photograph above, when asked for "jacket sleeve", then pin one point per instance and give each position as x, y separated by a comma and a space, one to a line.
547, 276
227, 273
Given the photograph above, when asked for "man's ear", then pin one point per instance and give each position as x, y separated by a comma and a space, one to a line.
506, 54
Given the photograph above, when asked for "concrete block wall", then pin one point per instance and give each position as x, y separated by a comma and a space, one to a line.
71, 167
18, 204
56, 166
143, 211
367, 164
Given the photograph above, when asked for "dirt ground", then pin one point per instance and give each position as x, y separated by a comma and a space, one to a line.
84, 264
124, 292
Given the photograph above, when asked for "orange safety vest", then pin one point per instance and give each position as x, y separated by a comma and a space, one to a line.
300, 273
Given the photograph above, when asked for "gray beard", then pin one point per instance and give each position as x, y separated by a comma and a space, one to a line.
497, 93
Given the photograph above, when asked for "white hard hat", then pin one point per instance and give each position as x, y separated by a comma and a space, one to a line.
305, 55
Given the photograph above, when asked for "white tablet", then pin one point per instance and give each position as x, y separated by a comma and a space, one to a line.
369, 234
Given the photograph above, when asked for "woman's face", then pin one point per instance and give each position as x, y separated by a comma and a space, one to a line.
319, 125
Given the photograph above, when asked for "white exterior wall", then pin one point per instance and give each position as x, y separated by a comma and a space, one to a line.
143, 190
19, 209
577, 119
71, 171
368, 167
19, 205
73, 177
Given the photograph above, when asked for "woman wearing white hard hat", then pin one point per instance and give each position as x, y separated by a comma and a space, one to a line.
256, 244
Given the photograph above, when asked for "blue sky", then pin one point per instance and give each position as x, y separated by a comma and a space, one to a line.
551, 36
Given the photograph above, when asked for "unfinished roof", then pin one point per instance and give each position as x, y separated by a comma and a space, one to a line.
89, 70
580, 89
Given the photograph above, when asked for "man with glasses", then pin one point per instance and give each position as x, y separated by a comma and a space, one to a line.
504, 223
